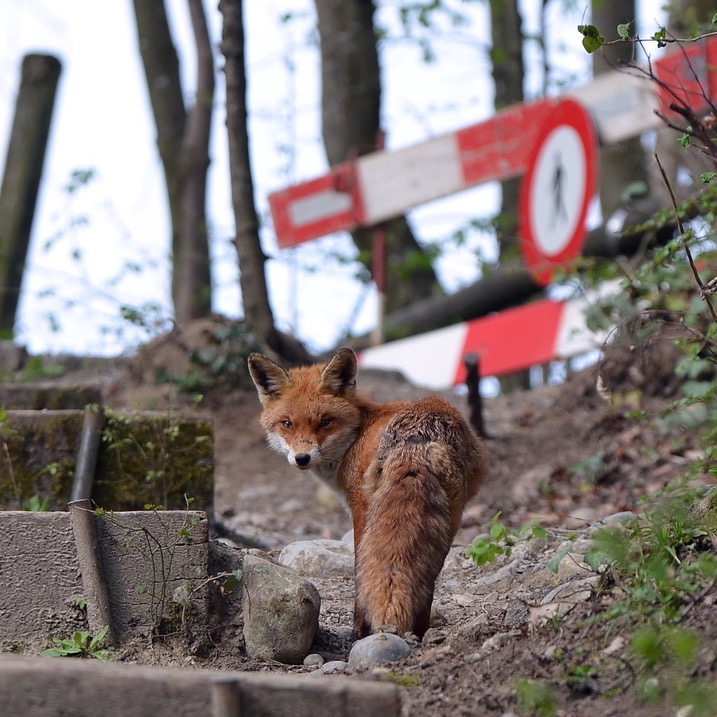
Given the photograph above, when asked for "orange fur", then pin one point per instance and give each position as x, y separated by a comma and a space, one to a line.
406, 470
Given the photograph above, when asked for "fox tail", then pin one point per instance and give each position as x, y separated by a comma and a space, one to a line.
410, 523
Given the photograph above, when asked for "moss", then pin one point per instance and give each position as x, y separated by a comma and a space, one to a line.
401, 680
154, 459
37, 457
144, 459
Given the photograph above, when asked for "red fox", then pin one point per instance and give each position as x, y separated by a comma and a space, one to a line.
406, 470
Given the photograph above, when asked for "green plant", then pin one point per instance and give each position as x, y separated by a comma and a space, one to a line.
35, 504
589, 469
154, 460
221, 361
37, 368
81, 644
535, 698
501, 540
170, 603
658, 558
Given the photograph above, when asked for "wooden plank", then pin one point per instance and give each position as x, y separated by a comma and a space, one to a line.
392, 182
622, 105
316, 207
46, 687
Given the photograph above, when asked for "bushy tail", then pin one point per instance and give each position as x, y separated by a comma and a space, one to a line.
409, 528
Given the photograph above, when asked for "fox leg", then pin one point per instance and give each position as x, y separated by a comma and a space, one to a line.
362, 627
423, 619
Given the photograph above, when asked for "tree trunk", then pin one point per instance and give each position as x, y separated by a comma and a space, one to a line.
508, 75
21, 179
258, 315
182, 141
192, 273
351, 98
507, 286
625, 163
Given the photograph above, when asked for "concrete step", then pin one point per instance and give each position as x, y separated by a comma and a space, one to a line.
146, 457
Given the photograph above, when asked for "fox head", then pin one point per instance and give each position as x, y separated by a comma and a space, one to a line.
310, 413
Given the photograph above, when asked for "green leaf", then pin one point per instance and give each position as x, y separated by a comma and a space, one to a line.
97, 639
660, 36
592, 39
623, 31
554, 562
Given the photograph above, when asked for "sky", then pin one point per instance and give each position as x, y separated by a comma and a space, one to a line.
102, 244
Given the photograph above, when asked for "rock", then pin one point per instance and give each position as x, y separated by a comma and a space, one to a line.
281, 611
381, 647
313, 660
516, 614
503, 576
563, 598
319, 558
333, 667
498, 640
622, 517
572, 591
580, 518
12, 356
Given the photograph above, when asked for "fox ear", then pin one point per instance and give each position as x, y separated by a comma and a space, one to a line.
268, 377
339, 374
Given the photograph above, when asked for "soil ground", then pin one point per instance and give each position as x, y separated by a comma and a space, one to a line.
561, 453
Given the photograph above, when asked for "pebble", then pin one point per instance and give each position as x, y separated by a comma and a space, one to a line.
313, 659
381, 647
332, 667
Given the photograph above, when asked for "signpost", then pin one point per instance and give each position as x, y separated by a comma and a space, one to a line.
553, 142
557, 190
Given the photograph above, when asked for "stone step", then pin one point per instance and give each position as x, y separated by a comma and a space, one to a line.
144, 556
145, 458
50, 395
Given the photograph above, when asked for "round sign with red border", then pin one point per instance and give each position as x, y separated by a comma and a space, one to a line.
557, 189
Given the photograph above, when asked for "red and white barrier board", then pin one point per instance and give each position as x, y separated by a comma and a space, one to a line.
552, 142
508, 341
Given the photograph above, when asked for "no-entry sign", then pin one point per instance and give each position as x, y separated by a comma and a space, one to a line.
557, 190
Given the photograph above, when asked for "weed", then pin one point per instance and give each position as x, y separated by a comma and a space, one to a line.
81, 644
35, 504
535, 698
401, 680
501, 540
36, 368
221, 362
657, 559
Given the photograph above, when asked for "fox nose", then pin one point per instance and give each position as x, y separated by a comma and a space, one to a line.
302, 459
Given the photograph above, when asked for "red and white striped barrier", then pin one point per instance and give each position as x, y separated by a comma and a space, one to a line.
508, 341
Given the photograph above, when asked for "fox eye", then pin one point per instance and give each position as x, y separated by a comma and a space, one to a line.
324, 422
286, 423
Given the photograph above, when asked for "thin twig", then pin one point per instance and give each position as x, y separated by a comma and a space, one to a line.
680, 227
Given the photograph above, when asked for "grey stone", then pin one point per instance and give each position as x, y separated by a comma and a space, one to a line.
313, 660
516, 614
319, 558
333, 667
281, 611
381, 647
